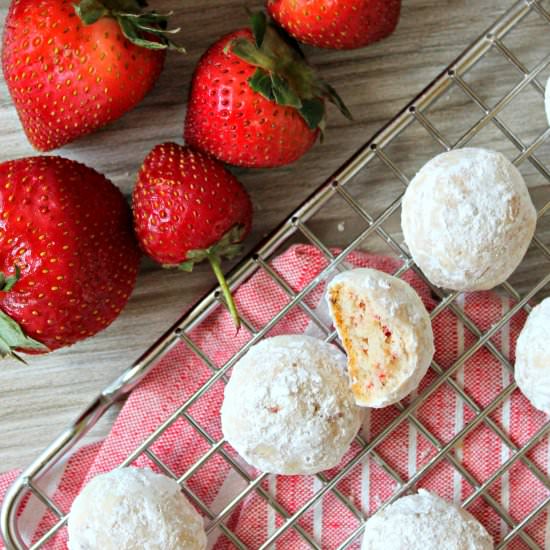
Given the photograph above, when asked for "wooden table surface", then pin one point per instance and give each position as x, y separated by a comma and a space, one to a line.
38, 400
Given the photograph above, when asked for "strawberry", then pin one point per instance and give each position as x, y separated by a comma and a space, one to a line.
68, 256
72, 69
188, 208
254, 101
336, 24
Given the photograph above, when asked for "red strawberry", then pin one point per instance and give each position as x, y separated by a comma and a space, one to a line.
188, 208
71, 70
66, 235
254, 101
336, 24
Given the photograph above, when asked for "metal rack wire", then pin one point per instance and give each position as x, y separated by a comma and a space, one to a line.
458, 108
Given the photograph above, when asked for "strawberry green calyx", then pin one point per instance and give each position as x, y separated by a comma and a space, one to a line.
148, 29
228, 247
13, 338
7, 283
283, 75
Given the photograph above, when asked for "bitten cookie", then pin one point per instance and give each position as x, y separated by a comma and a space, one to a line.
468, 219
532, 370
424, 522
133, 509
386, 332
288, 408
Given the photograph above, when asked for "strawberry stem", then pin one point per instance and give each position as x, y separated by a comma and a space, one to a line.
226, 291
229, 246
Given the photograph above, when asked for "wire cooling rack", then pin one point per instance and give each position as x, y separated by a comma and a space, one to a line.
491, 96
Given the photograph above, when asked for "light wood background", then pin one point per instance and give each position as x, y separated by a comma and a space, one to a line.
37, 401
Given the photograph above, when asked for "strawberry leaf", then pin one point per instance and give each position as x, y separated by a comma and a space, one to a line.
284, 95
247, 51
7, 283
128, 29
90, 11
12, 338
144, 29
226, 245
260, 82
258, 22
282, 74
197, 256
313, 112
186, 266
333, 96
131, 33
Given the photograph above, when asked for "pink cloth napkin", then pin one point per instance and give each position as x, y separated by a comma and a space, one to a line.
368, 484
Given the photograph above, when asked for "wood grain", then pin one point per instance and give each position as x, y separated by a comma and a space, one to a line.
37, 401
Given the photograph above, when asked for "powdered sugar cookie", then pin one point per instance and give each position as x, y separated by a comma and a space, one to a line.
288, 408
425, 522
532, 369
133, 509
467, 219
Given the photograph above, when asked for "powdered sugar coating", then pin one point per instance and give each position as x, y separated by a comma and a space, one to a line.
424, 522
288, 408
133, 509
467, 219
399, 308
532, 369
